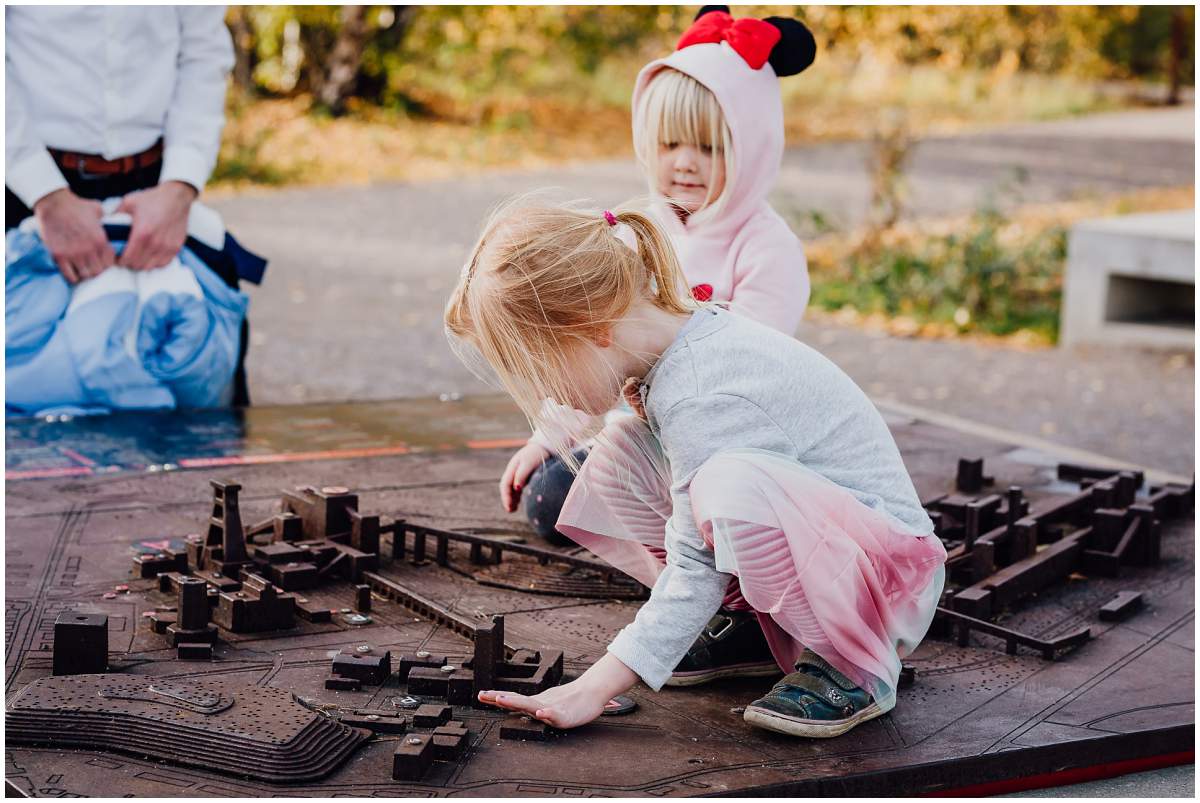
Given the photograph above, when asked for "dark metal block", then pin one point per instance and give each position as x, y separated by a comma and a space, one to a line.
376, 721
448, 747
258, 607
461, 688
192, 603
1122, 606
310, 611
281, 552
324, 511
451, 728
337, 683
431, 682
411, 661
287, 527
194, 651
362, 598
969, 479
294, 576
974, 601
155, 564
523, 728
431, 716
548, 673
179, 635
80, 643
370, 668
489, 652
364, 532
414, 754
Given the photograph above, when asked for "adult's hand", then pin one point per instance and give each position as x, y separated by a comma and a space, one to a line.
72, 233
159, 226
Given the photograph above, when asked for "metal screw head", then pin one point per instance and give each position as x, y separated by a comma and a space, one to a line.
422, 653
358, 619
372, 717
407, 701
345, 610
414, 740
448, 668
363, 648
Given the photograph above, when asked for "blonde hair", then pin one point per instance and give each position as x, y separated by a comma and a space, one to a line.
676, 108
544, 281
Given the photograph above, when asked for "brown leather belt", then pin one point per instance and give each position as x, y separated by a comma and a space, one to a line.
90, 164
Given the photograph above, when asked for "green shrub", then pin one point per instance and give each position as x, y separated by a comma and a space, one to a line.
990, 278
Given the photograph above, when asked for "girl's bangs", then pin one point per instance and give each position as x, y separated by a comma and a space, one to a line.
686, 112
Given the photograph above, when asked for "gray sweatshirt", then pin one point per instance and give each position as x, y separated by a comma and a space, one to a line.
728, 382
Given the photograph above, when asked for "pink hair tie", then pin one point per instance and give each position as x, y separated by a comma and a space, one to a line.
610, 217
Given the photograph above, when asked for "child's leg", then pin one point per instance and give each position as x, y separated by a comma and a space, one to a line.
834, 575
545, 493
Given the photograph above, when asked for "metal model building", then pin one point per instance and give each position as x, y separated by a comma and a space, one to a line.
453, 605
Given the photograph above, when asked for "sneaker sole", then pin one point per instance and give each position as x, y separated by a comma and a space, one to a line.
698, 677
811, 728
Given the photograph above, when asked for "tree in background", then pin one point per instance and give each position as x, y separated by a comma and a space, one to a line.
475, 62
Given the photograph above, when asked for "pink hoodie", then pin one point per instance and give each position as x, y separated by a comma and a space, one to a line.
748, 255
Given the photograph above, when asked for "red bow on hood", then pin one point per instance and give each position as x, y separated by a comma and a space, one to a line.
751, 38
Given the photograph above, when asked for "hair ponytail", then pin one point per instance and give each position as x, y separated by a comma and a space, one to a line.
546, 281
657, 254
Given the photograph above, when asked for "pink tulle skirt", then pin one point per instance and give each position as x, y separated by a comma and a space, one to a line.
820, 569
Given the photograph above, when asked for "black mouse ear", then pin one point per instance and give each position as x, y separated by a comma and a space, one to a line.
705, 9
796, 48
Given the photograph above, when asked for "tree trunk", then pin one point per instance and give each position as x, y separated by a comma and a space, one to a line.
344, 60
1178, 44
243, 49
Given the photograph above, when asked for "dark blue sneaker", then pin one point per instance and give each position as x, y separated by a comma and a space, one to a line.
731, 645
815, 701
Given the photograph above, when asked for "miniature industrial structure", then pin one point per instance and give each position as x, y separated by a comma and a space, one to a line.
402, 620
1000, 554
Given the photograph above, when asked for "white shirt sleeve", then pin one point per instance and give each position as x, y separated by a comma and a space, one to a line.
196, 115
29, 170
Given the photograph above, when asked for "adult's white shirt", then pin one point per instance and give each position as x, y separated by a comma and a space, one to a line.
111, 80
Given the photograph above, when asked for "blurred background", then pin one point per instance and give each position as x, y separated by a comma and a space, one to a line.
356, 93
938, 158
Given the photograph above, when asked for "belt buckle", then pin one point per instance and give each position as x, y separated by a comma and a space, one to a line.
84, 173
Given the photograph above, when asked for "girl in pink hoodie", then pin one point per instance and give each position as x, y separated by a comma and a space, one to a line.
708, 133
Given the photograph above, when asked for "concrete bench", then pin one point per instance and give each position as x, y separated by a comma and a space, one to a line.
1131, 281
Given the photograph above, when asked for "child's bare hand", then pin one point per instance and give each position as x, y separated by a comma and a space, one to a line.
567, 706
516, 473
575, 703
